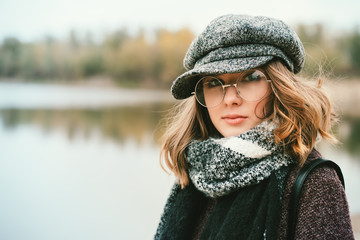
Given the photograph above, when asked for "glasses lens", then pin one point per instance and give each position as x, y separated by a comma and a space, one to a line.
253, 86
209, 91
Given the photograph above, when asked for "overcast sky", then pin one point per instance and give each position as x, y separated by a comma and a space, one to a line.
33, 19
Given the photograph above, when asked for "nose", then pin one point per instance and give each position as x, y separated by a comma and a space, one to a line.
231, 96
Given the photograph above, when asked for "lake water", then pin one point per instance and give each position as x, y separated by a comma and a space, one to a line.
82, 162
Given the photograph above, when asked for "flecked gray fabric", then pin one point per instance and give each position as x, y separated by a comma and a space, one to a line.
234, 43
218, 167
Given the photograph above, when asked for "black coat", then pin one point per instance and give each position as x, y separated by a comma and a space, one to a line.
244, 214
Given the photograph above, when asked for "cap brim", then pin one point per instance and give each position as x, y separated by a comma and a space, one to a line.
184, 85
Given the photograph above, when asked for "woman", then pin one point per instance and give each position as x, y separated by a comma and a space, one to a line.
237, 141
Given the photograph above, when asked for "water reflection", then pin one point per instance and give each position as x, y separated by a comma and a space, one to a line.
115, 123
104, 179
81, 173
133, 122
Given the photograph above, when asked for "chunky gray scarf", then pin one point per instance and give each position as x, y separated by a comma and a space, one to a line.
218, 167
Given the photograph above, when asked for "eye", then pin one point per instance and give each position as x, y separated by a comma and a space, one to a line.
254, 76
212, 82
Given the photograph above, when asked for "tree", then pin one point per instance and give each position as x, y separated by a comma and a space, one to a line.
10, 54
354, 50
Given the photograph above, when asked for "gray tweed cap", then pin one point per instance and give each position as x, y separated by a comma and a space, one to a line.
235, 43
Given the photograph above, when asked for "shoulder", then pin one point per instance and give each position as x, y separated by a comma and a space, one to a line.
322, 193
322, 182
323, 207
321, 178
181, 209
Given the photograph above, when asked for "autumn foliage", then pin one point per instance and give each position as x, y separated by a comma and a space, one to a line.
152, 60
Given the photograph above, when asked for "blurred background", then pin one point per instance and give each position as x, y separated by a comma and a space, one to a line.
84, 86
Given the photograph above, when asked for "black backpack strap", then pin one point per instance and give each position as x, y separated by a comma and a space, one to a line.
297, 187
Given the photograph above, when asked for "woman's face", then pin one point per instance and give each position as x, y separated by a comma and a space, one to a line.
234, 115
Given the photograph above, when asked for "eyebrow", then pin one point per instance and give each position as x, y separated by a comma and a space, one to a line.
239, 74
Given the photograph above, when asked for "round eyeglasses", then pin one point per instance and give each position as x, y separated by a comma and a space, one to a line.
210, 90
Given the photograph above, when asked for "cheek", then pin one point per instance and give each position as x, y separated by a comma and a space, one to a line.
213, 114
260, 108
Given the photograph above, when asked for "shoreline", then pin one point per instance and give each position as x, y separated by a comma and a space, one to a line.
102, 92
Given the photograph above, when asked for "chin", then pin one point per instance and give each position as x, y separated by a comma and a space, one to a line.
230, 131
233, 132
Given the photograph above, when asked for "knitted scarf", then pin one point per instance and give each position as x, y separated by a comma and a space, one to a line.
218, 167
246, 174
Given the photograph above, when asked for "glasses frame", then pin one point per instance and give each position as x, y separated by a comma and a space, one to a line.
224, 91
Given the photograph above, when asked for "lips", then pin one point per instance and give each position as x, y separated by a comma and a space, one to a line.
234, 119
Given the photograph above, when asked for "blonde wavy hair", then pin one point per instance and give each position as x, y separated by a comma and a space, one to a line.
300, 109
